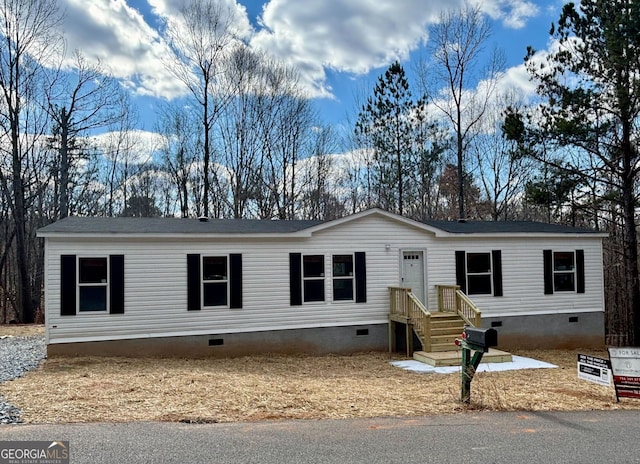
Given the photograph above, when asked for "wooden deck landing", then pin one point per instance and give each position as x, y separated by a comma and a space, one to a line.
454, 357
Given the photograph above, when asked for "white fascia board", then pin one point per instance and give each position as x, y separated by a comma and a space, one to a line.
443, 234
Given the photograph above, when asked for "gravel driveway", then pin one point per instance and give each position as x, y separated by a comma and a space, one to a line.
18, 355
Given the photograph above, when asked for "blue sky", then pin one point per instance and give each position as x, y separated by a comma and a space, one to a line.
339, 46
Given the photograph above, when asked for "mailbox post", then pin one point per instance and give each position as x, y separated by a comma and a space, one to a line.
478, 340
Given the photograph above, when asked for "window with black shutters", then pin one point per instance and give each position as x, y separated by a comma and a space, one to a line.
91, 284
479, 273
563, 271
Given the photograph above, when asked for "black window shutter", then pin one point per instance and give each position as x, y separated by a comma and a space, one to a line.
496, 256
235, 280
295, 278
68, 285
548, 271
193, 282
580, 271
361, 277
116, 284
461, 271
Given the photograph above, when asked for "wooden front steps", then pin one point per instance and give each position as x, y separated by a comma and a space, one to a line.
454, 357
445, 328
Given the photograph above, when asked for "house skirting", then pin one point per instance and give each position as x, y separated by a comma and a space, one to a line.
317, 341
557, 331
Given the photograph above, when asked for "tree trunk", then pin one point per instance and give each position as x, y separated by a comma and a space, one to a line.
206, 157
23, 295
460, 173
64, 164
631, 250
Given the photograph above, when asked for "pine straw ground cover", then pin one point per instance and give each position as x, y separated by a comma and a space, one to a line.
287, 387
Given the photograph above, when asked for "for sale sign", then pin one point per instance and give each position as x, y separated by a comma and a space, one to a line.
594, 369
625, 364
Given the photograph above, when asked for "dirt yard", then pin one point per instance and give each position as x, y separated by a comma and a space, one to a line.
288, 387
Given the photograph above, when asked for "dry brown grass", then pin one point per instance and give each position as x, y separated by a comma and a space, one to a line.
21, 330
279, 387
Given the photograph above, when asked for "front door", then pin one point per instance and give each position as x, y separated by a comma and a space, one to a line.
413, 273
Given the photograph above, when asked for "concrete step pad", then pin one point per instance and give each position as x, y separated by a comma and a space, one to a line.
454, 357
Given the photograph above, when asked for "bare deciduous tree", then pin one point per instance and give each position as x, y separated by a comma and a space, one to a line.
460, 61
502, 171
179, 151
28, 38
85, 99
200, 39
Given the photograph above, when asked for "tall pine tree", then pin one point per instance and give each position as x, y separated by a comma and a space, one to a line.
386, 121
590, 86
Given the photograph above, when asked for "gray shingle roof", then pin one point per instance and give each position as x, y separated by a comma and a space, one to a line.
173, 226
506, 227
127, 225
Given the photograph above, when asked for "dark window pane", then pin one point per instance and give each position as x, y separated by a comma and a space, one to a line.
214, 268
93, 298
313, 266
93, 270
563, 281
479, 284
478, 263
314, 290
215, 294
342, 289
563, 261
342, 265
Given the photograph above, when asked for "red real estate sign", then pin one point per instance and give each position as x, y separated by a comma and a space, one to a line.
625, 364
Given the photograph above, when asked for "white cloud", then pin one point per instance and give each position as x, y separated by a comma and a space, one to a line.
517, 79
314, 36
513, 13
353, 36
116, 34
360, 35
140, 147
171, 10
129, 44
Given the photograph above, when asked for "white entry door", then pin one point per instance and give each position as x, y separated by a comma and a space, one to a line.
413, 273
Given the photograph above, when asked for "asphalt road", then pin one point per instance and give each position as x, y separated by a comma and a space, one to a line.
525, 437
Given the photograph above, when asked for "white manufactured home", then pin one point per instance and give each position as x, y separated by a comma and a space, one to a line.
189, 287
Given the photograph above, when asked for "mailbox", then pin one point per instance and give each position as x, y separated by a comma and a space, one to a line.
483, 338
478, 340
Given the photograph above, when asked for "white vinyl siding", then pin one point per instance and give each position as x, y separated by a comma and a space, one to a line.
156, 280
523, 274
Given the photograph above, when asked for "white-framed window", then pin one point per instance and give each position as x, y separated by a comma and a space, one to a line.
564, 271
479, 276
313, 278
343, 277
93, 284
215, 281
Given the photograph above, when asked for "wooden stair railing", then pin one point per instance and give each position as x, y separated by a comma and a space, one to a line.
408, 309
452, 299
434, 330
